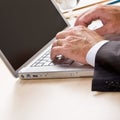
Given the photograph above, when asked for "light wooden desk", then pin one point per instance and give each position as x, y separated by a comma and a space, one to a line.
55, 99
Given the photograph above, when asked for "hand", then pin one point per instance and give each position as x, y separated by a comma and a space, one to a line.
109, 15
74, 43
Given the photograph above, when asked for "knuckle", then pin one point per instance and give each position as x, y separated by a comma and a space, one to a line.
58, 34
100, 8
81, 27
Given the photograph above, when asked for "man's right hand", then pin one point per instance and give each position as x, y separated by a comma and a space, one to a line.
109, 15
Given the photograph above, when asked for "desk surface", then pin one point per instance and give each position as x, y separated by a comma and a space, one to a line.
55, 99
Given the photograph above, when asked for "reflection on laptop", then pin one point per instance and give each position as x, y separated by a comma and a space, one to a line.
27, 32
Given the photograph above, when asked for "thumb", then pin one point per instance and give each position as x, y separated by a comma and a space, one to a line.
102, 30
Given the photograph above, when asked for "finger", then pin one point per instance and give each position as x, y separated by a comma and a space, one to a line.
55, 51
70, 32
78, 22
102, 30
88, 17
54, 43
63, 34
58, 42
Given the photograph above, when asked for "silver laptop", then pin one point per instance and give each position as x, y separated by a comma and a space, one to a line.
27, 30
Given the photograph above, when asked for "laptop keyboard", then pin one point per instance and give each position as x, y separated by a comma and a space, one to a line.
45, 60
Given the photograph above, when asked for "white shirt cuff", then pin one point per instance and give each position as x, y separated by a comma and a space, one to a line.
90, 57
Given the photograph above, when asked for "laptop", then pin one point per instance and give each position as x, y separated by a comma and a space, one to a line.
27, 30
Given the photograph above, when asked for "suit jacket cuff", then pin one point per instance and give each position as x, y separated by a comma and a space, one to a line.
90, 57
107, 68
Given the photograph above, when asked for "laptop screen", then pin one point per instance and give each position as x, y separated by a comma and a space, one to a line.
25, 27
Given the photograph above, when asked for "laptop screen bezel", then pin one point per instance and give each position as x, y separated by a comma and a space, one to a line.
9, 66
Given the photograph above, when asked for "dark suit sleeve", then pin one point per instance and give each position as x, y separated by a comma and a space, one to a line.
107, 68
